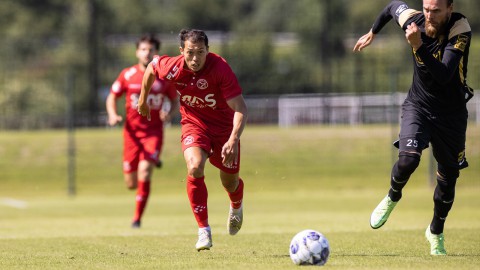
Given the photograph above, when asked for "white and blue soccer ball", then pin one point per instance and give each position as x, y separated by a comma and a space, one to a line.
309, 247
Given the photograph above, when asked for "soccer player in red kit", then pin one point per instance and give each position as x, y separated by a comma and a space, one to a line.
214, 114
143, 139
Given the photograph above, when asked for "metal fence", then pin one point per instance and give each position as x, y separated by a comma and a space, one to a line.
282, 110
332, 109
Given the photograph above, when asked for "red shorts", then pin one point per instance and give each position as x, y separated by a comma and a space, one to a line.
195, 137
136, 148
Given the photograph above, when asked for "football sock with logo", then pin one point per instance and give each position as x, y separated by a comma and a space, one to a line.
236, 197
143, 192
401, 171
198, 196
443, 198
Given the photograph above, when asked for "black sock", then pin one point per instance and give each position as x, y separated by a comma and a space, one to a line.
443, 197
437, 225
396, 184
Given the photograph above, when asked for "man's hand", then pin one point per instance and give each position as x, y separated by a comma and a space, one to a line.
147, 82
165, 116
143, 108
230, 153
114, 119
413, 35
364, 41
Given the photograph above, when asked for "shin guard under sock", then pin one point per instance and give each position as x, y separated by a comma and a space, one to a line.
198, 196
236, 197
443, 198
143, 192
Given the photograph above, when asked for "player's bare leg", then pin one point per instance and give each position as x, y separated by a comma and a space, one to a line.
234, 187
130, 180
144, 174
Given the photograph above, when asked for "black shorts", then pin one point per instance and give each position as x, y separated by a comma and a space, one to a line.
446, 134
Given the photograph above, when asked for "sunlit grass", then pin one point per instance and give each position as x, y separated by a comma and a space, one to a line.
323, 178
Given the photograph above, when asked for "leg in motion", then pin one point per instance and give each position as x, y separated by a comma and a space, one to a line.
145, 169
443, 199
197, 192
234, 187
401, 171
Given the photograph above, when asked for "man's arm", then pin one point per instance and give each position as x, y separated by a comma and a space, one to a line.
147, 82
111, 105
230, 149
442, 70
393, 10
175, 105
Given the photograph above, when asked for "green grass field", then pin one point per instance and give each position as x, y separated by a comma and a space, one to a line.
324, 178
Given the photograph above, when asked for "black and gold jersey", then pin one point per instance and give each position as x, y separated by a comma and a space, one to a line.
440, 64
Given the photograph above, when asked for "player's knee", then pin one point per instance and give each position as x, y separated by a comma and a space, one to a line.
144, 174
195, 167
195, 170
447, 174
407, 163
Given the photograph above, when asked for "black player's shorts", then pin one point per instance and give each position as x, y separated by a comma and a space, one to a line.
446, 134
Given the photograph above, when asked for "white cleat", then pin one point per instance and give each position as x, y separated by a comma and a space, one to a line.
235, 220
204, 239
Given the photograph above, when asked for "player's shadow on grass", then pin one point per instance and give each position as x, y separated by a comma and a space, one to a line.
349, 255
463, 255
395, 255
367, 255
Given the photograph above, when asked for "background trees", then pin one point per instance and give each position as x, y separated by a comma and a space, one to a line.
274, 46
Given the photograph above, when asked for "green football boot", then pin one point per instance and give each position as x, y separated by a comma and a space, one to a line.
436, 243
381, 213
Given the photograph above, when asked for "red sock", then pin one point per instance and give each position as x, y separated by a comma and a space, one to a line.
236, 197
198, 195
143, 191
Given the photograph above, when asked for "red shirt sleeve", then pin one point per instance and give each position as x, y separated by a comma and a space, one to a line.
118, 87
228, 81
166, 67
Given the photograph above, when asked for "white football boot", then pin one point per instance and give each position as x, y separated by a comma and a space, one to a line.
235, 220
204, 239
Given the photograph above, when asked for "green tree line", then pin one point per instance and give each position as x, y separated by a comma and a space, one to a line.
274, 46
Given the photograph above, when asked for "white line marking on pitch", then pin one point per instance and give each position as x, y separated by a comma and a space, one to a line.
14, 203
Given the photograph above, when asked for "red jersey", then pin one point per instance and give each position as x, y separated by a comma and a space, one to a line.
203, 94
129, 82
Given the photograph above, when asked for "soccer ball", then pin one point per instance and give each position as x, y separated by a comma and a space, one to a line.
309, 247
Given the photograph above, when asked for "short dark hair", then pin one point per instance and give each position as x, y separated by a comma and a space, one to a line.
150, 38
449, 2
193, 35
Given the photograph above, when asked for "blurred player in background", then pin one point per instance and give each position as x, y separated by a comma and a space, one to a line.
214, 114
142, 139
435, 108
